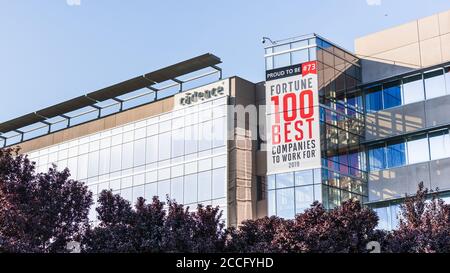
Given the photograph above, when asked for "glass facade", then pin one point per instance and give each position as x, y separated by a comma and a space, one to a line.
413, 149
293, 192
389, 211
342, 126
182, 154
290, 53
432, 144
343, 172
408, 89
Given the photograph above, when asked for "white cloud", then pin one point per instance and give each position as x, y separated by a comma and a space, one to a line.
373, 2
73, 2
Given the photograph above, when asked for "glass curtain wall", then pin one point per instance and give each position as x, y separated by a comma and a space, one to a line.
343, 172
417, 148
342, 125
181, 154
409, 89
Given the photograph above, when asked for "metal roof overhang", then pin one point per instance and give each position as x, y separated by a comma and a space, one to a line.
161, 75
20, 122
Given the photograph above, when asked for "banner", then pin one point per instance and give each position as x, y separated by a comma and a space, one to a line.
293, 120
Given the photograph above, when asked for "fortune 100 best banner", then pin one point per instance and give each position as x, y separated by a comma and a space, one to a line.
293, 125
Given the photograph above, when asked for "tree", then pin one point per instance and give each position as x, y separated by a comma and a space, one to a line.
256, 236
424, 225
39, 212
347, 228
152, 228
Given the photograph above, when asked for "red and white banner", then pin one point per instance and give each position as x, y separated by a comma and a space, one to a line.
293, 125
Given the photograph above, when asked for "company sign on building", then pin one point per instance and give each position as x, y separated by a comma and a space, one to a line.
292, 101
202, 94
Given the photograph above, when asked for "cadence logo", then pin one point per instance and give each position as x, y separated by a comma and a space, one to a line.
200, 94
293, 119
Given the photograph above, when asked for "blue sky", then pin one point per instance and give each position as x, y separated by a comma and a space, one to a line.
51, 51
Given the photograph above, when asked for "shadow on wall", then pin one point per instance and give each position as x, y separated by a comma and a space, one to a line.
396, 182
376, 70
395, 121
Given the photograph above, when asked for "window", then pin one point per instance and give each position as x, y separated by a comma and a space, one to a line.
354, 101
418, 149
127, 194
377, 160
219, 130
383, 222
205, 135
190, 185
72, 166
271, 206
164, 146
176, 189
434, 84
439, 144
269, 63
395, 213
114, 184
127, 182
139, 179
82, 166
304, 178
127, 155
285, 180
139, 152
304, 197
374, 99
312, 53
281, 48
396, 154
413, 89
104, 161
218, 183
191, 139
163, 189
93, 164
204, 186
299, 44
165, 126
138, 192
178, 142
392, 95
271, 182
285, 203
281, 60
152, 149
151, 190
299, 56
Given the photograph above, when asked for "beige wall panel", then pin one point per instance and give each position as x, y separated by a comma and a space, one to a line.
244, 212
95, 126
428, 27
36, 144
431, 51
408, 55
110, 122
386, 40
444, 22
168, 104
445, 46
59, 137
